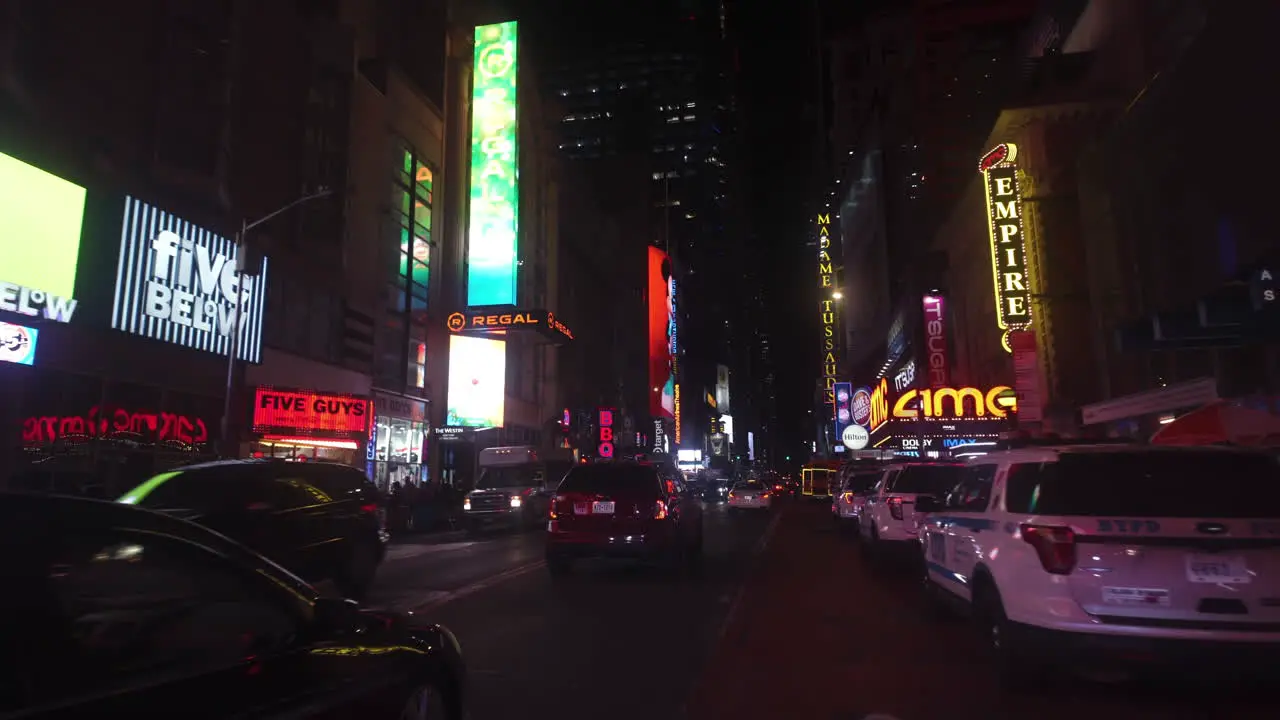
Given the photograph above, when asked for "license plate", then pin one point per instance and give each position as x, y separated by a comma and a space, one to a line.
749, 498
581, 509
601, 508
1217, 570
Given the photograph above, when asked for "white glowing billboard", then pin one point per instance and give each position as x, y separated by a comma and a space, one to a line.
477, 381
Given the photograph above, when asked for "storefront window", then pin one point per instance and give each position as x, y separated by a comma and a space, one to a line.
399, 449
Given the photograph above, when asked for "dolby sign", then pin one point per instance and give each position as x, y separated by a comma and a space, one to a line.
177, 282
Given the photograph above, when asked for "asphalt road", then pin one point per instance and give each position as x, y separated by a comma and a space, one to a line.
612, 640
787, 619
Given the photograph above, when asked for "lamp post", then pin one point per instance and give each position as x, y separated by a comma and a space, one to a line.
230, 445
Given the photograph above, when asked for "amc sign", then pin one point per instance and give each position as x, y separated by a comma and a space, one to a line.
955, 404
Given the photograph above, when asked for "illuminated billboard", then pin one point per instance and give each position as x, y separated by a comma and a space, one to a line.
493, 220
844, 411
18, 344
662, 378
42, 216
477, 381
177, 282
946, 405
1008, 242
827, 308
935, 340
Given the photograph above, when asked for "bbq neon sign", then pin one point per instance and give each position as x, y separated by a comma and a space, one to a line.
1008, 240
605, 422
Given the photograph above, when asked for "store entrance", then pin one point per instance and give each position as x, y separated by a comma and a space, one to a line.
301, 451
399, 448
458, 463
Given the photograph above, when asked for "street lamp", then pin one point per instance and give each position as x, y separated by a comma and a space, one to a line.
231, 446
837, 295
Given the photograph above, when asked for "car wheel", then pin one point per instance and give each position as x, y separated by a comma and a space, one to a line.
1014, 672
559, 565
356, 578
424, 703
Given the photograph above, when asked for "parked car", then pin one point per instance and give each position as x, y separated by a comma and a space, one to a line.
621, 510
115, 611
322, 521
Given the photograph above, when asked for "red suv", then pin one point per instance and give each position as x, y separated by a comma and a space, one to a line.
621, 510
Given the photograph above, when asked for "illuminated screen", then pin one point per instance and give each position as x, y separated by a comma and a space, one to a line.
42, 215
495, 197
177, 282
477, 381
18, 344
662, 401
307, 413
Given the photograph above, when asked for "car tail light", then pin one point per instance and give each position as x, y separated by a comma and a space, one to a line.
466, 503
369, 508
895, 508
660, 510
1056, 546
848, 498
764, 494
730, 496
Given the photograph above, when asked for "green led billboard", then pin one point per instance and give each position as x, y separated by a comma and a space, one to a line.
40, 220
495, 197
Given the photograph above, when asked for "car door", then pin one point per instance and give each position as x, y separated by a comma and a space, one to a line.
135, 624
875, 503
301, 521
963, 532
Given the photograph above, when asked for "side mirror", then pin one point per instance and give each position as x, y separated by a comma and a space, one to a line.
336, 616
928, 504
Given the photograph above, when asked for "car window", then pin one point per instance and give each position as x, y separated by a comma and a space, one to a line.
507, 477
341, 483
124, 608
607, 478
927, 479
203, 490
293, 490
973, 492
862, 482
1170, 483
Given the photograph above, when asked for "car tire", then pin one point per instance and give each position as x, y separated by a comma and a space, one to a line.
426, 702
1015, 672
558, 565
356, 577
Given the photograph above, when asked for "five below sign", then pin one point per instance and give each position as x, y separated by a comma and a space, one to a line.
276, 411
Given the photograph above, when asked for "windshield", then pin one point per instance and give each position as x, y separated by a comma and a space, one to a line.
508, 477
862, 482
1173, 483
927, 479
749, 486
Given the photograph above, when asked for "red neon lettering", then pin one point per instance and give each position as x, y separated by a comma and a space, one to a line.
606, 434
287, 410
111, 423
605, 450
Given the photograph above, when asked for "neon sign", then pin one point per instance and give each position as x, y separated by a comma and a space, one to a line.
297, 411
677, 415
605, 448
880, 405
825, 284
1008, 241
491, 319
935, 341
493, 226
104, 423
955, 403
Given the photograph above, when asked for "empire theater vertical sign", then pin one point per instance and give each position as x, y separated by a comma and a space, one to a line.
827, 304
1010, 273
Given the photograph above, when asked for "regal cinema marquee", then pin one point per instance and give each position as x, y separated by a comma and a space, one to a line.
941, 405
826, 285
1008, 239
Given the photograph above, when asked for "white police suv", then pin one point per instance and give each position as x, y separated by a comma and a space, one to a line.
1086, 555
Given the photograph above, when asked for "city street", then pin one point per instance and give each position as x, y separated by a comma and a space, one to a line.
804, 629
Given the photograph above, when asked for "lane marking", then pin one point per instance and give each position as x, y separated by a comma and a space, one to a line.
404, 552
482, 584
756, 552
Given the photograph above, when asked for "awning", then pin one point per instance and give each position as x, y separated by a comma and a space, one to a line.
1221, 422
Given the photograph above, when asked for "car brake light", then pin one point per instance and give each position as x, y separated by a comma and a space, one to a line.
764, 494
895, 508
730, 496
370, 508
1056, 546
660, 511
848, 498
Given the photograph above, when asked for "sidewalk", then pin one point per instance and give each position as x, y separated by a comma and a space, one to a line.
815, 635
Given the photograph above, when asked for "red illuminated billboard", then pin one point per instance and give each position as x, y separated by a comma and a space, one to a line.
299, 412
662, 380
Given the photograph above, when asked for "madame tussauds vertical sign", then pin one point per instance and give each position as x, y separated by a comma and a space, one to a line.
827, 309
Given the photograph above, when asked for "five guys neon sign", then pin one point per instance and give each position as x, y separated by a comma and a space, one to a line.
605, 449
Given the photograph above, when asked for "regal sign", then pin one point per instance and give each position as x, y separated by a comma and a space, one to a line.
1008, 242
481, 320
826, 284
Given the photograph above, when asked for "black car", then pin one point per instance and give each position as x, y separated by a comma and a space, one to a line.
322, 521
113, 611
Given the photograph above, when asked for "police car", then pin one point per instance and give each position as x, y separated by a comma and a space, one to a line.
1093, 554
